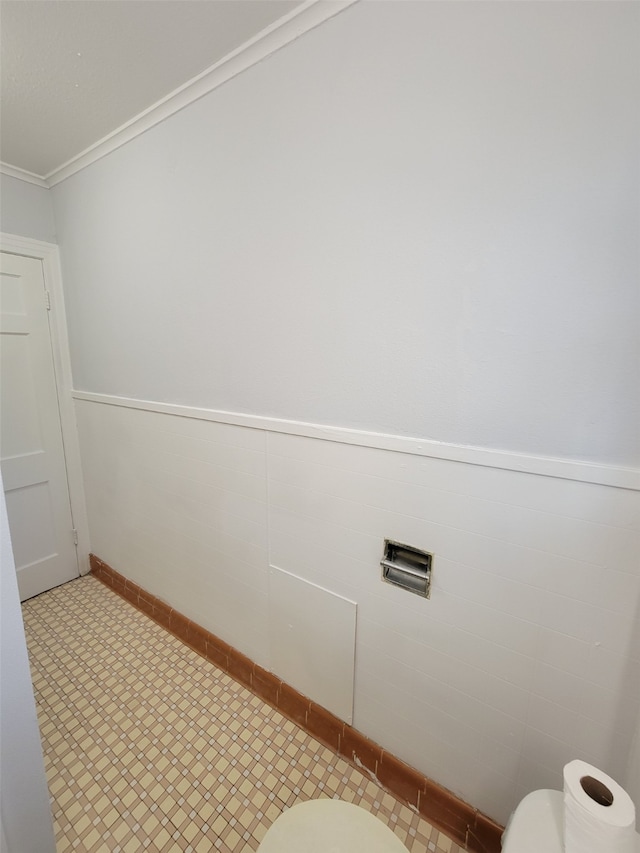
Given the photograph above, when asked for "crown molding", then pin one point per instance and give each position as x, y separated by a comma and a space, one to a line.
23, 175
300, 20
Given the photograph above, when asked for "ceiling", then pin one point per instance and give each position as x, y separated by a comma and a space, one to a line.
74, 71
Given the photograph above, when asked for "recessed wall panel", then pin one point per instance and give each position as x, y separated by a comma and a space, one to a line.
312, 641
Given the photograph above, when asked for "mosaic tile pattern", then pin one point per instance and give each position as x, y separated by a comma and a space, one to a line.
149, 746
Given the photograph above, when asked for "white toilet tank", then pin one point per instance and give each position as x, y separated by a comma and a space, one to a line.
536, 826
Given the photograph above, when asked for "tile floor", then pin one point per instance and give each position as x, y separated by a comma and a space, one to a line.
148, 746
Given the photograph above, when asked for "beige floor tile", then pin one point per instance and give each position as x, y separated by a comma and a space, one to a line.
148, 746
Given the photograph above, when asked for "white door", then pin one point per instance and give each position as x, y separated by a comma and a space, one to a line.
31, 447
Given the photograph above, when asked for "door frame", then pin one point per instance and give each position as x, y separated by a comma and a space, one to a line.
49, 255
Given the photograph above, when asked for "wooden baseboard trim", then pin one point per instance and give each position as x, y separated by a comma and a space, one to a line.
467, 826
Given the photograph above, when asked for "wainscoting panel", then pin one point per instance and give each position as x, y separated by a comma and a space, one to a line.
527, 653
182, 511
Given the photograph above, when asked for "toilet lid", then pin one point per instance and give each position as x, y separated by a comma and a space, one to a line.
329, 826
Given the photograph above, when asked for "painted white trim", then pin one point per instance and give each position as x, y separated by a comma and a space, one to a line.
286, 29
48, 254
23, 175
564, 469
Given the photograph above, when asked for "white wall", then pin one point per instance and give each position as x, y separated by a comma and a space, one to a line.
26, 209
632, 778
633, 773
419, 218
25, 815
526, 655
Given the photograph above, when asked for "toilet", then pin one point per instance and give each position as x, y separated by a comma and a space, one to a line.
537, 825
326, 826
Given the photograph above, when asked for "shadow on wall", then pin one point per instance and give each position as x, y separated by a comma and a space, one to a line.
625, 739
